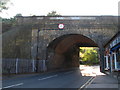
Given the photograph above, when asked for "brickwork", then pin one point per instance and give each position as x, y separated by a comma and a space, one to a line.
55, 43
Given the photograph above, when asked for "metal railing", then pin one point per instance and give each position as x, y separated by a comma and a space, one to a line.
15, 66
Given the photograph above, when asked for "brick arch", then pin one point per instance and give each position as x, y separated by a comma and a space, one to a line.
71, 40
63, 52
64, 42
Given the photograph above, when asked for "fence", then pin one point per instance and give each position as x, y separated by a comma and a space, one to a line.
15, 66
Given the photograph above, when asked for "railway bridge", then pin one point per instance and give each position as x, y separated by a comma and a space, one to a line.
57, 39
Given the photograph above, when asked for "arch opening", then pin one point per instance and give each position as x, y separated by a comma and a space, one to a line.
63, 52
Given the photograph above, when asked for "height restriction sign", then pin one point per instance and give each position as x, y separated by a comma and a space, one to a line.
60, 26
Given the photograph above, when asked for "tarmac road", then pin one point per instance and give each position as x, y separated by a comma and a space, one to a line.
60, 79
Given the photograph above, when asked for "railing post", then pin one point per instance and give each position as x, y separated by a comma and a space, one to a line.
44, 65
33, 65
16, 65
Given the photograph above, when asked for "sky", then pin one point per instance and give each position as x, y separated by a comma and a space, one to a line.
63, 7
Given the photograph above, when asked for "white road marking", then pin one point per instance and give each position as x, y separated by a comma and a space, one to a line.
48, 77
13, 85
88, 82
68, 72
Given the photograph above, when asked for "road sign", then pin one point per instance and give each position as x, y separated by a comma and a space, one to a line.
61, 26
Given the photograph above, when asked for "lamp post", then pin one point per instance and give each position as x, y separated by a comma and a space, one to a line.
37, 50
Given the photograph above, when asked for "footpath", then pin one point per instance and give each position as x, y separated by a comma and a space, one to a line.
99, 81
104, 82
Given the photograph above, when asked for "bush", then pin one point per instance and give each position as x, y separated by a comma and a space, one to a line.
90, 56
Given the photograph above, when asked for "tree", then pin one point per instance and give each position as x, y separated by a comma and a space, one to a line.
7, 24
53, 13
19, 14
3, 5
89, 56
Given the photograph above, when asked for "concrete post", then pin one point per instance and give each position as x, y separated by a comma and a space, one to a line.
16, 65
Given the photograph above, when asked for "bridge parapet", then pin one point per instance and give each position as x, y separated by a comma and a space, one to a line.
70, 21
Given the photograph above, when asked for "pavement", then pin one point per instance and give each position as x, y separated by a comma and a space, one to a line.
103, 81
100, 80
90, 70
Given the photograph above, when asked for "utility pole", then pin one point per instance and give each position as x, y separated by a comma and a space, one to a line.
37, 59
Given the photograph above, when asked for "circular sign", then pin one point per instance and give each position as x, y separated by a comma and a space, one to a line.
60, 26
